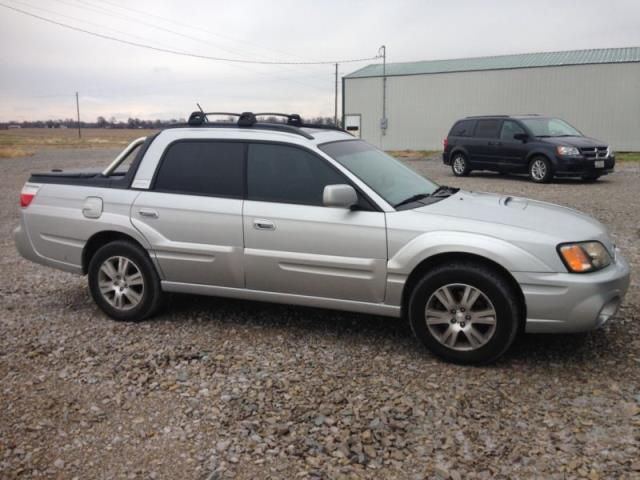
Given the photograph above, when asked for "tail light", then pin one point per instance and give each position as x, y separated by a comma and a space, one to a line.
445, 142
28, 193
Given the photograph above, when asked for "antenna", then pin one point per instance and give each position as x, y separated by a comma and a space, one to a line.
205, 117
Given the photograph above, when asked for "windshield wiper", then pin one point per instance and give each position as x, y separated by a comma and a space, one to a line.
444, 189
411, 199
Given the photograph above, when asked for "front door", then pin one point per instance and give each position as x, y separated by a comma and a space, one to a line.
511, 151
294, 244
192, 216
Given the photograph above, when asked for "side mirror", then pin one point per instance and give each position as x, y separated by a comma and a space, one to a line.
344, 196
521, 136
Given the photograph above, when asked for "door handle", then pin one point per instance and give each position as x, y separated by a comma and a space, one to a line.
263, 225
147, 212
497, 144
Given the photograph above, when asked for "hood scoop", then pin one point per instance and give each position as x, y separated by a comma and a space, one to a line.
514, 202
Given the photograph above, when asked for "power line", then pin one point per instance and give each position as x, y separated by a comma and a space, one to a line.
178, 52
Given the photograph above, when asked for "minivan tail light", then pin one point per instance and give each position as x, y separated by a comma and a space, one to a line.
445, 142
27, 194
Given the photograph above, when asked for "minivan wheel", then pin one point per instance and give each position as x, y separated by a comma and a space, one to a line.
123, 282
459, 165
465, 312
540, 170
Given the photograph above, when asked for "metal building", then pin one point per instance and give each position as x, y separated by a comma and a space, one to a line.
597, 91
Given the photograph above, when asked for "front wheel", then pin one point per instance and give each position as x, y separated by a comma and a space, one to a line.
465, 312
459, 165
540, 170
123, 281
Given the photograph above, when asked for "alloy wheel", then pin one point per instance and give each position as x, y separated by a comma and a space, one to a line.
121, 283
460, 317
538, 169
459, 164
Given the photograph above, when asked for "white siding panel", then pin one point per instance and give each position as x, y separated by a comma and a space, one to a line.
603, 101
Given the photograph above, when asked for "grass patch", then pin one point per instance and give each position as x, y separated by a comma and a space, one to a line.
628, 156
26, 141
413, 154
14, 152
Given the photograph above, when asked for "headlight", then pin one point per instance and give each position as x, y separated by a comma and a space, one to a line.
567, 151
584, 257
610, 152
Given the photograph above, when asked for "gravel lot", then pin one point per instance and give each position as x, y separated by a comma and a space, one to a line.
217, 388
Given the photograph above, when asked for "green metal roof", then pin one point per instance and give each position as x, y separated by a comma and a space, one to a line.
524, 60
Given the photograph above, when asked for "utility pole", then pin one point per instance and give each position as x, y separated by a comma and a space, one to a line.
78, 110
383, 121
335, 116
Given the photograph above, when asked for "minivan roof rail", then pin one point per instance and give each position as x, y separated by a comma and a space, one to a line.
249, 119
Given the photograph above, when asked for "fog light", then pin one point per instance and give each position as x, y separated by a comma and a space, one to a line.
609, 310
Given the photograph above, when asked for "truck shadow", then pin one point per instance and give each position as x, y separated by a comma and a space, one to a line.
389, 333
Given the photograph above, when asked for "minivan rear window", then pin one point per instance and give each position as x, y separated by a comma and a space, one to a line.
464, 128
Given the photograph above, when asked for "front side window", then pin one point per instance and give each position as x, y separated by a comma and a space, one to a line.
488, 128
509, 129
382, 173
284, 174
202, 168
550, 127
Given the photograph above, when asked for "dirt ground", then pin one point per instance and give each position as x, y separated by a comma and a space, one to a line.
215, 388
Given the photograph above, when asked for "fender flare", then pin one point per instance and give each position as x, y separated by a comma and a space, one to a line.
505, 254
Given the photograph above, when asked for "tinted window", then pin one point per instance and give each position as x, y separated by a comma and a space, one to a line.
487, 128
278, 173
464, 128
509, 129
202, 168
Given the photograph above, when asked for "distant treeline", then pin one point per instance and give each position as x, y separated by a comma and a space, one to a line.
102, 122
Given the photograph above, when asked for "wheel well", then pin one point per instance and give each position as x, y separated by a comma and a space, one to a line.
431, 262
100, 239
535, 155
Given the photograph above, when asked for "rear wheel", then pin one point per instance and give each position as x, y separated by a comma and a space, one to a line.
465, 313
540, 170
459, 165
123, 281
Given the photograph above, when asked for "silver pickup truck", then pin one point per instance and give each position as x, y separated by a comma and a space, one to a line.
309, 215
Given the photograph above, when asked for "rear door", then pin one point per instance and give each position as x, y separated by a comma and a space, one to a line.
192, 215
487, 134
294, 244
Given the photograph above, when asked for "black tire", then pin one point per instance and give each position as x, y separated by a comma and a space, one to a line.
460, 165
493, 285
590, 178
540, 170
149, 293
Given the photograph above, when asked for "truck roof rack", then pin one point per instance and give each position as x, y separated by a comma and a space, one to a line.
294, 122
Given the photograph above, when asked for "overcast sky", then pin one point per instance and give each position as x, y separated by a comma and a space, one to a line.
42, 65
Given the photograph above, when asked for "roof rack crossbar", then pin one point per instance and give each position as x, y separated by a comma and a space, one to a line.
249, 119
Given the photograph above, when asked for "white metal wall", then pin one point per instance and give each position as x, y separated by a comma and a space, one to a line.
602, 101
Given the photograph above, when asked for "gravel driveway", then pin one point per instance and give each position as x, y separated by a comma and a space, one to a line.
217, 388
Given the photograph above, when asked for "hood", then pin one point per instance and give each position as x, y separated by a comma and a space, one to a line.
520, 219
580, 142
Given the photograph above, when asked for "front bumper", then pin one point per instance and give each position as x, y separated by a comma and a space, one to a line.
580, 166
571, 302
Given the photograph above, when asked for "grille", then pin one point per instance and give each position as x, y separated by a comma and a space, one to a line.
594, 152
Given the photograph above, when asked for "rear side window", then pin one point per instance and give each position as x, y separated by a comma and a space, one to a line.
464, 128
278, 173
488, 128
202, 168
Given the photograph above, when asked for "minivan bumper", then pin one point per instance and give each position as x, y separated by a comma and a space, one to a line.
571, 302
580, 166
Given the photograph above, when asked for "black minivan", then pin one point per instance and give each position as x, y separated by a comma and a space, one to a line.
543, 147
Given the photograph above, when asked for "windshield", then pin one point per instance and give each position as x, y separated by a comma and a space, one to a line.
550, 127
384, 174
